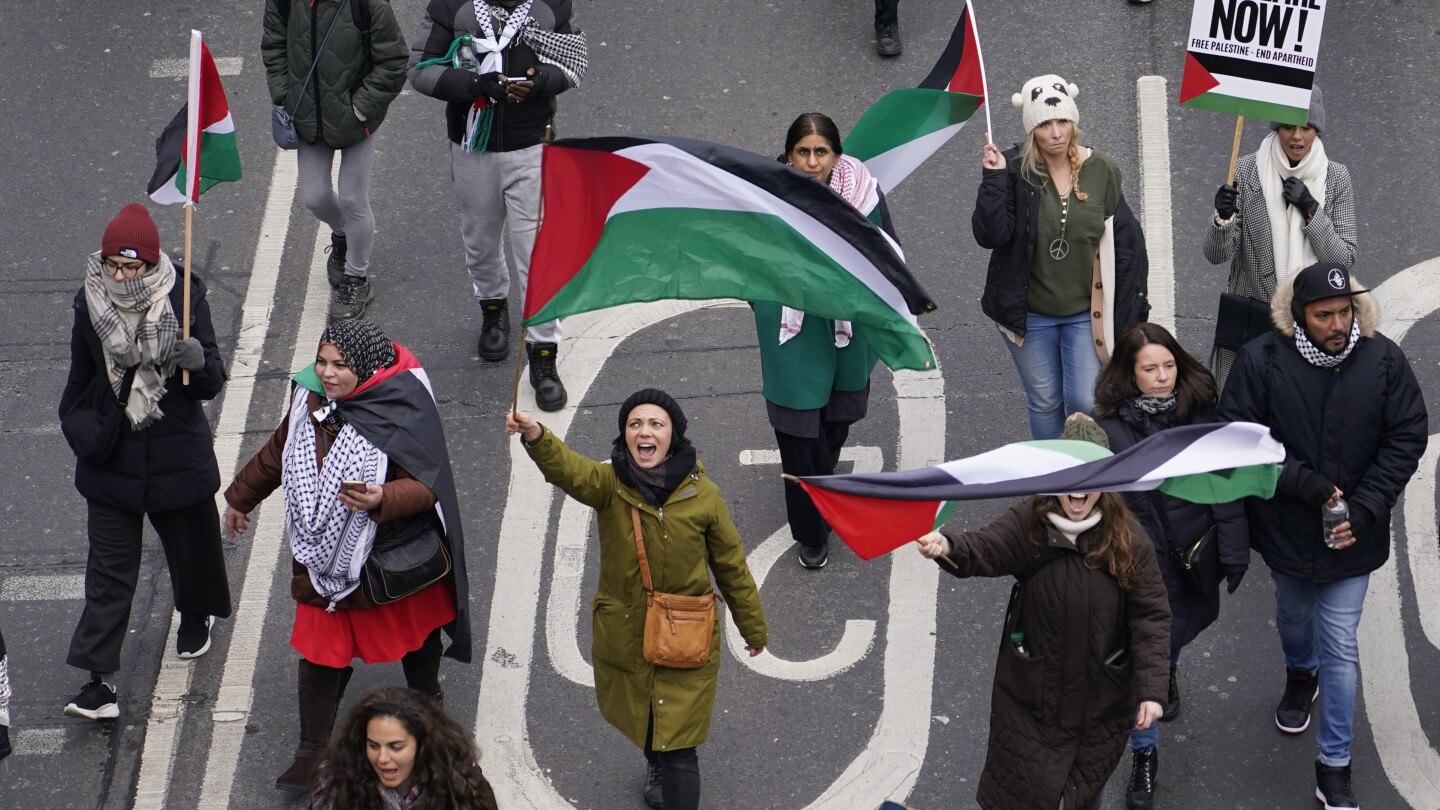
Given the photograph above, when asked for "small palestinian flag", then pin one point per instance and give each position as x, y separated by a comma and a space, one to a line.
647, 219
905, 127
214, 154
1252, 59
876, 513
1241, 87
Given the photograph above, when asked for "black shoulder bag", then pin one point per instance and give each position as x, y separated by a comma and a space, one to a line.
96, 420
1199, 562
406, 561
1240, 320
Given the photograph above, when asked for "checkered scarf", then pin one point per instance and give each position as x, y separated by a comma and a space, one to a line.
329, 538
136, 325
1320, 359
850, 179
565, 51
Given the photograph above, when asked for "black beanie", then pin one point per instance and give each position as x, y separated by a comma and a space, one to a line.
654, 396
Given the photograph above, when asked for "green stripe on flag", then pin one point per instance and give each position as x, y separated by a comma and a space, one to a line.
1224, 486
1082, 450
1250, 108
903, 115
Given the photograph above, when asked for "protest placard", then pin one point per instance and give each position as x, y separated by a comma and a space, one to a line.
1253, 57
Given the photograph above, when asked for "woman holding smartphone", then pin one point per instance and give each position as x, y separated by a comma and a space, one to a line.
361, 455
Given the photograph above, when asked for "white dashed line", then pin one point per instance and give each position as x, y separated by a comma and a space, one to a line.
43, 587
1155, 201
180, 68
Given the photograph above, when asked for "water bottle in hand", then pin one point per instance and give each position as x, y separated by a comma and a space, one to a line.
1331, 516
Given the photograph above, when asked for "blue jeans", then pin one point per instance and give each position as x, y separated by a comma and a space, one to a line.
1058, 366
1150, 736
1317, 623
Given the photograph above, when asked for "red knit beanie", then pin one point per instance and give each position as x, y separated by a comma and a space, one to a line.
132, 234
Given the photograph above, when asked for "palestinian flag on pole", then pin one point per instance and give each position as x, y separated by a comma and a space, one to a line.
197, 148
876, 513
907, 126
648, 219
1252, 59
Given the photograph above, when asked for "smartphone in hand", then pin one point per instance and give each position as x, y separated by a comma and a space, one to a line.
353, 486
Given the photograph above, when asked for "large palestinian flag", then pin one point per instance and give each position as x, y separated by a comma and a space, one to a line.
648, 219
212, 152
876, 513
1252, 59
907, 126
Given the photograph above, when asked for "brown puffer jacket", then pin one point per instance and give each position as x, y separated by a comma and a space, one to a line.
404, 498
1060, 717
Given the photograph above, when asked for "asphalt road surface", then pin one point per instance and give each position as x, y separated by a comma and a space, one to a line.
876, 684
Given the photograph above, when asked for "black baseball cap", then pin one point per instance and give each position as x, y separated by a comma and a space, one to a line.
1320, 281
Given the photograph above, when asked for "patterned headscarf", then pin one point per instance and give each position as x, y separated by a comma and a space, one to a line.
362, 344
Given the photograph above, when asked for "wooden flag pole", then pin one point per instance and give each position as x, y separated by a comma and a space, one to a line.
185, 321
1235, 149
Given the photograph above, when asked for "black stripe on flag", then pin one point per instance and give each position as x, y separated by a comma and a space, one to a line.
169, 148
1255, 71
949, 62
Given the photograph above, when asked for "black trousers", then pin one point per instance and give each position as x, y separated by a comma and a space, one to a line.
817, 456
191, 540
887, 12
680, 774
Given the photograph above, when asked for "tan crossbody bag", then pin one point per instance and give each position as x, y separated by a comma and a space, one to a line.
678, 628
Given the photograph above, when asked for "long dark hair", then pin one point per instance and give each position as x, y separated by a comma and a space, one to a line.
1115, 551
1194, 384
445, 755
811, 123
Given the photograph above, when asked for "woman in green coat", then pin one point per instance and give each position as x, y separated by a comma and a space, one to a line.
688, 535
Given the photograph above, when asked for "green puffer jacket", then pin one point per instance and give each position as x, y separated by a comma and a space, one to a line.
345, 81
686, 540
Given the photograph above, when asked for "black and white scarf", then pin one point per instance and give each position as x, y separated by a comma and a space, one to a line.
1151, 404
136, 326
1320, 359
565, 51
329, 538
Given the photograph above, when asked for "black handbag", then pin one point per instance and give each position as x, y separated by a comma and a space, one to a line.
282, 122
96, 420
1240, 320
406, 561
1199, 562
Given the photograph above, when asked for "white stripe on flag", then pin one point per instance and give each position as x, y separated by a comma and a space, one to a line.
1238, 444
892, 166
1262, 91
224, 125
1009, 463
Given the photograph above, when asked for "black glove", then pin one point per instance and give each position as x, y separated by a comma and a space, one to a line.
1298, 195
189, 354
1313, 488
489, 86
540, 77
1233, 575
1360, 519
1225, 200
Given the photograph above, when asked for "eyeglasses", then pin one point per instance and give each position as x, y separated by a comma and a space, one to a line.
126, 270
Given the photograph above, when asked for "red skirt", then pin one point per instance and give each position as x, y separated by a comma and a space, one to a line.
375, 635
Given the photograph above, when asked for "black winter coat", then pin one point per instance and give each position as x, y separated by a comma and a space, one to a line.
170, 464
1007, 209
1190, 611
1362, 425
1060, 719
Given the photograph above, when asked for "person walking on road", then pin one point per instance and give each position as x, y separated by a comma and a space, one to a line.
887, 28
1290, 207
499, 65
1068, 269
1344, 401
399, 749
127, 359
362, 457
655, 496
335, 66
1086, 633
1152, 384
815, 371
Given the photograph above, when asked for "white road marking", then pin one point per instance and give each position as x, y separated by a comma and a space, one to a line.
167, 711
39, 741
1154, 123
180, 68
43, 587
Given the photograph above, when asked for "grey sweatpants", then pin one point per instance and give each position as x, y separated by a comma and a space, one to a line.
347, 212
499, 191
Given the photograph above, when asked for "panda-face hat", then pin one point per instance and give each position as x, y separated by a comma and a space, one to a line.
1045, 98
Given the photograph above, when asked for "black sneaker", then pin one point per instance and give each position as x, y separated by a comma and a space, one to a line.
1292, 716
96, 701
1172, 697
494, 329
653, 782
1144, 765
335, 265
814, 556
544, 378
193, 639
350, 298
1333, 788
887, 40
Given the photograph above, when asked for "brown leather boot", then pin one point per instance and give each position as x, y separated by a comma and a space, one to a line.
320, 690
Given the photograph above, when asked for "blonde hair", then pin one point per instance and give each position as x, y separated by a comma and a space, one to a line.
1034, 169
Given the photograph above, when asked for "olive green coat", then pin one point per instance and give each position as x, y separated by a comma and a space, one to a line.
686, 540
345, 81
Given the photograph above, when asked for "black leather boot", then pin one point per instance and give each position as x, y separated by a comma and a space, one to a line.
1144, 768
494, 329
320, 690
335, 265
549, 391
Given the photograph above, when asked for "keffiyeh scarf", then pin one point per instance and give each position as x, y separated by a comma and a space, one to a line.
857, 186
136, 325
329, 538
1287, 225
1320, 359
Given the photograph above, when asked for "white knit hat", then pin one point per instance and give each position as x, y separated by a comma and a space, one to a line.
1045, 98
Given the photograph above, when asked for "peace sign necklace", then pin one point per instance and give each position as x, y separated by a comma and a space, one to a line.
1060, 248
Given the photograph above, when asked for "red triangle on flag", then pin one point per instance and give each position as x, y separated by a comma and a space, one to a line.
578, 187
969, 76
1196, 80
